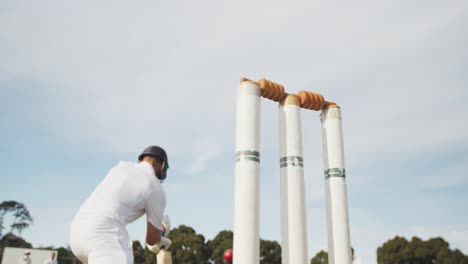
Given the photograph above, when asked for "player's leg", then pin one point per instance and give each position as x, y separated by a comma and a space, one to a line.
112, 246
107, 256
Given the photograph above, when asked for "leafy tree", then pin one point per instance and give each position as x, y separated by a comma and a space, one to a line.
138, 253
64, 255
436, 250
270, 252
320, 258
220, 243
392, 250
11, 240
150, 257
22, 218
187, 247
141, 255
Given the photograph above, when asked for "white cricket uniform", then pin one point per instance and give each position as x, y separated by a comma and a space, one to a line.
50, 261
25, 260
98, 234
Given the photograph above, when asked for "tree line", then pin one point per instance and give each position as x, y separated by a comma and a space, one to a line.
189, 247
416, 251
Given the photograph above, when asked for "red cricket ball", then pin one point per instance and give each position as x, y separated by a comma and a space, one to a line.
227, 255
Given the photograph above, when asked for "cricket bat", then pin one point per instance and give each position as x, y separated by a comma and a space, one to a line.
164, 257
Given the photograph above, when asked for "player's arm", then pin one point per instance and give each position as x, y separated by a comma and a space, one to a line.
154, 207
154, 241
153, 235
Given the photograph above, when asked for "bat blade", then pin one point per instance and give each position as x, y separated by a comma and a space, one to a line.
164, 257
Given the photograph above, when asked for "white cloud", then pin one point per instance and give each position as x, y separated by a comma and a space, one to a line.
205, 153
132, 73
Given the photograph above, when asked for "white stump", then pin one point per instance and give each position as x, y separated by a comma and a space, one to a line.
247, 175
339, 248
293, 205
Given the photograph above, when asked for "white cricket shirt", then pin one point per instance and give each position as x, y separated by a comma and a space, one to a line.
50, 261
127, 192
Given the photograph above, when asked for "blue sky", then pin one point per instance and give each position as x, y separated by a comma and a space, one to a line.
86, 84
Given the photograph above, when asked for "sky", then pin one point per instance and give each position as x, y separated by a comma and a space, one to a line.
85, 84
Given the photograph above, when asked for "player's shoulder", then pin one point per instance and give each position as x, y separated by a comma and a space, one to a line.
126, 165
155, 190
146, 177
129, 167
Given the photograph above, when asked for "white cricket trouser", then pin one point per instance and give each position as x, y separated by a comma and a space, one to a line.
100, 241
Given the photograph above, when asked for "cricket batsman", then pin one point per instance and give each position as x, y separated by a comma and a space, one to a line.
98, 234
